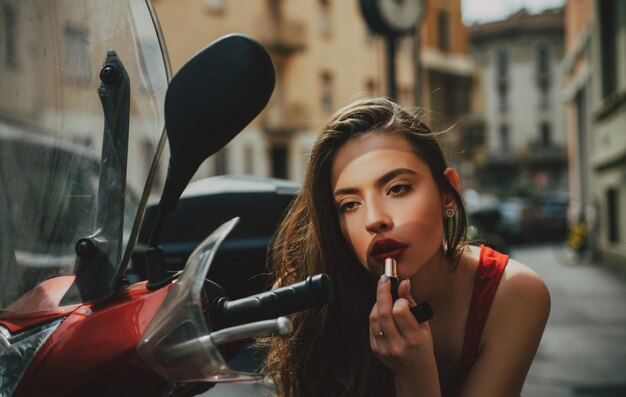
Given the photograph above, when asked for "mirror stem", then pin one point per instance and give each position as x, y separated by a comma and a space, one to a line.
175, 182
155, 235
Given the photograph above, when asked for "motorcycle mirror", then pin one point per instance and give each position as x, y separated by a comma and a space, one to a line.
208, 102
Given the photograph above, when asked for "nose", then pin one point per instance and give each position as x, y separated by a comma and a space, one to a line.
377, 220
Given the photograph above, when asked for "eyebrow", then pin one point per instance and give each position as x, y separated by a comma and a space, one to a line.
383, 180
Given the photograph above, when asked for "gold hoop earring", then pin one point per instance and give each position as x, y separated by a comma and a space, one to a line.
449, 212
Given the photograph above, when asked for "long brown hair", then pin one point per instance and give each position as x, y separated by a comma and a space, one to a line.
328, 353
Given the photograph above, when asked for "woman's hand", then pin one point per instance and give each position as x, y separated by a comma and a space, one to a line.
402, 344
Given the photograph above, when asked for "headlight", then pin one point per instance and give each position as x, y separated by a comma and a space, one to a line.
17, 351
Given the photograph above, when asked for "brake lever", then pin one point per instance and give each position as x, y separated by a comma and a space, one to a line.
281, 326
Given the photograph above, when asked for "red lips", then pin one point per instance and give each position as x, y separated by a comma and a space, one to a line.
387, 248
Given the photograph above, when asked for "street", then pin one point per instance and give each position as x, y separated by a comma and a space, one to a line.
583, 350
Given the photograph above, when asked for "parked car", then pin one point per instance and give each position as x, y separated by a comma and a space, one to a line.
485, 227
240, 264
484, 220
554, 211
521, 221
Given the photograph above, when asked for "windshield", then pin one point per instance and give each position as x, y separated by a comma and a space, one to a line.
74, 153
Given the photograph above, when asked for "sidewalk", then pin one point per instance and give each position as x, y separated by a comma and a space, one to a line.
583, 350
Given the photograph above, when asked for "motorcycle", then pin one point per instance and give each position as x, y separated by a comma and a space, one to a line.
71, 322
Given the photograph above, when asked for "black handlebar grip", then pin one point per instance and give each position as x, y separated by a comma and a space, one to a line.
313, 292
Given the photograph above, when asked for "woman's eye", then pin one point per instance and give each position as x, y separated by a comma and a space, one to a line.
399, 189
348, 206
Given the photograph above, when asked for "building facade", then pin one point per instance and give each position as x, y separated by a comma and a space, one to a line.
325, 56
51, 54
524, 124
608, 121
577, 94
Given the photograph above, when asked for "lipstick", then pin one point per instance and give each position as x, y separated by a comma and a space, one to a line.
391, 272
422, 311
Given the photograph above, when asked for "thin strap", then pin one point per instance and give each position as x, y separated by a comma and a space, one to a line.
491, 266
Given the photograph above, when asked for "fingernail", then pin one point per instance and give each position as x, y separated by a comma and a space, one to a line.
383, 278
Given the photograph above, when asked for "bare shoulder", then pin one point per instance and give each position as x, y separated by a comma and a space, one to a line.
511, 335
520, 282
522, 300
512, 332
521, 295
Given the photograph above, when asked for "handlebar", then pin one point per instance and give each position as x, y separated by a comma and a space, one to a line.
315, 291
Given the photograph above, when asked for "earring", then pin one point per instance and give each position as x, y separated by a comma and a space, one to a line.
449, 212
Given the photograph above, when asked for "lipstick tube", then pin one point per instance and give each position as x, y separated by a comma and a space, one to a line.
391, 272
422, 311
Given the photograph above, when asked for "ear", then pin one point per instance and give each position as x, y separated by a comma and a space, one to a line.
451, 175
453, 178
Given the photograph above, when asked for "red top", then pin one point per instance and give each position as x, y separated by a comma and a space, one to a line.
491, 266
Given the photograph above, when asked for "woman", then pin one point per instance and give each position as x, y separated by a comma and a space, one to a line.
377, 186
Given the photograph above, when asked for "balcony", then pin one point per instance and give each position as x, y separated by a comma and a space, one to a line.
547, 155
284, 119
280, 35
503, 160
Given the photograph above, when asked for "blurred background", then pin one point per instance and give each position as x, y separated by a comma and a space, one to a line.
533, 95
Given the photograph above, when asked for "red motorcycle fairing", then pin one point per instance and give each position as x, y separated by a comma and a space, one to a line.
39, 305
93, 352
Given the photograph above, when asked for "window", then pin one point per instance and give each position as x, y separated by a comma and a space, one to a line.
545, 133
608, 36
502, 95
327, 91
370, 87
443, 23
405, 95
544, 93
221, 162
612, 215
324, 21
275, 11
279, 161
505, 139
543, 60
10, 36
248, 158
502, 63
543, 80
77, 63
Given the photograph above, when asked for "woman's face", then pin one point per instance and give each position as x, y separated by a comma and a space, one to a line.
388, 203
